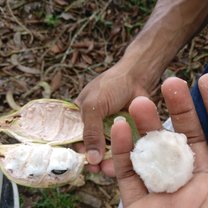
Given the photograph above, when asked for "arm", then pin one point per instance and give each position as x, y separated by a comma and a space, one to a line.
170, 26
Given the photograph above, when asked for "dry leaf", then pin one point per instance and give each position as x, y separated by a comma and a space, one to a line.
15, 62
115, 30
74, 56
87, 59
90, 200
56, 81
67, 16
57, 48
11, 102
61, 2
100, 179
47, 89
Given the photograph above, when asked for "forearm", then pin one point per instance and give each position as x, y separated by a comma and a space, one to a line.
172, 24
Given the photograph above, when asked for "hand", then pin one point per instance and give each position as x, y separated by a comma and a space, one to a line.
185, 120
138, 72
105, 95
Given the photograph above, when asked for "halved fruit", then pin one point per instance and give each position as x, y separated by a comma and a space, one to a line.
40, 165
45, 121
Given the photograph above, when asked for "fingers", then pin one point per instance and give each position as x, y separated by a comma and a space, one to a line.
131, 187
79, 147
145, 115
181, 109
93, 136
93, 128
107, 168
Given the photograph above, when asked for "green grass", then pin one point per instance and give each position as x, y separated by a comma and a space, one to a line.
50, 198
51, 20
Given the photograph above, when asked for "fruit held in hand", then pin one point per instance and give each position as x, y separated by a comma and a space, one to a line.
42, 160
163, 160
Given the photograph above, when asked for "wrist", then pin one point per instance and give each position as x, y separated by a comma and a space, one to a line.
170, 26
144, 65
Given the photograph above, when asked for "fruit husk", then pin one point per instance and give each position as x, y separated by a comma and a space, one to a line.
45, 121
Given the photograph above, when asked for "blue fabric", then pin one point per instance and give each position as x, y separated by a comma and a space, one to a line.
199, 105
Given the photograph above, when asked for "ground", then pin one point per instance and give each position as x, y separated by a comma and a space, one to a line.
52, 49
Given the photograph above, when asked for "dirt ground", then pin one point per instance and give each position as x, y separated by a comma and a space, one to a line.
52, 49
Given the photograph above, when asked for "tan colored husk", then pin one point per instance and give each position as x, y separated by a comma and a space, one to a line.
45, 121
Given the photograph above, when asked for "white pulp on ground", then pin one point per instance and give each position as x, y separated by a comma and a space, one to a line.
164, 161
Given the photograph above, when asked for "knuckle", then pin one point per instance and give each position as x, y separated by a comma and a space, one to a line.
88, 104
124, 165
92, 138
97, 105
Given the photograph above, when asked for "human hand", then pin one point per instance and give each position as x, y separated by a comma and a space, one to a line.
105, 95
185, 120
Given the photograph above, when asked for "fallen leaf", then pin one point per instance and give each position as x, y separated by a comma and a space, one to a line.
11, 102
86, 58
17, 39
61, 2
15, 62
67, 16
80, 181
47, 89
74, 56
115, 30
108, 59
90, 200
100, 179
56, 81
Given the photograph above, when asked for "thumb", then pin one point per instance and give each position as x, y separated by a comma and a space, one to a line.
130, 185
93, 136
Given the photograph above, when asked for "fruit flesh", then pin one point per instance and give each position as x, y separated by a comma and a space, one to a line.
40, 165
163, 160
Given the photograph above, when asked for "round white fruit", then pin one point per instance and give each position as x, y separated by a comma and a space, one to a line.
163, 160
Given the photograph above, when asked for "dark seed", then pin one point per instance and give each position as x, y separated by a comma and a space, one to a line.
59, 172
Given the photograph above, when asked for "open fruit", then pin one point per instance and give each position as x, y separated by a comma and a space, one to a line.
45, 121
40, 165
44, 127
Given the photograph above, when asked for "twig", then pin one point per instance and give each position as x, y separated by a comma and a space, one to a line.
22, 51
52, 67
46, 93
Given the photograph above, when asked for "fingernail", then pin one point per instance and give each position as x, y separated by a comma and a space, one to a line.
119, 118
94, 157
141, 98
